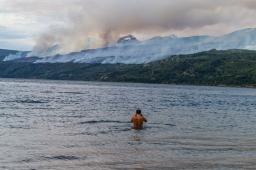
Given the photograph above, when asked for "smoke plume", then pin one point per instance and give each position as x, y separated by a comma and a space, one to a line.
81, 24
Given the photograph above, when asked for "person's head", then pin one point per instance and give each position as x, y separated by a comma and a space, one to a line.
138, 111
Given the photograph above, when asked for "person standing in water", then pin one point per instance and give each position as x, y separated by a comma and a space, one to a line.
138, 119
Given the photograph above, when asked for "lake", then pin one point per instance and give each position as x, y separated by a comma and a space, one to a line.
63, 125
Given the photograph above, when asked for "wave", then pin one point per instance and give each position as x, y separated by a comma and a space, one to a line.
164, 124
124, 122
19, 127
62, 157
101, 121
26, 101
72, 93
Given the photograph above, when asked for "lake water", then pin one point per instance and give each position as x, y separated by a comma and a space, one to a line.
67, 125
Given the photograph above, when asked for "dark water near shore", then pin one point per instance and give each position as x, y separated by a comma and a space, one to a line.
74, 125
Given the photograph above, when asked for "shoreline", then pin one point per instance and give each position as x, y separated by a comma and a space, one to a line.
210, 68
124, 82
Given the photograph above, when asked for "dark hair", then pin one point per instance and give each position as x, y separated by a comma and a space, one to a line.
138, 111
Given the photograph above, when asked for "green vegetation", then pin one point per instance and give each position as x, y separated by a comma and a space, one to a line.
4, 53
231, 67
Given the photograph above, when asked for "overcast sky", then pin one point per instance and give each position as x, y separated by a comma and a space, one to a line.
78, 24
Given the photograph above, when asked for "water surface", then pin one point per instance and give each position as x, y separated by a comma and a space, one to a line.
83, 125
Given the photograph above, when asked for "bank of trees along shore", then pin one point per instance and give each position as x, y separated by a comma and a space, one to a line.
231, 68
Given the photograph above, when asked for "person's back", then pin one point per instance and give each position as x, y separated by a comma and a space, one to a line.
138, 119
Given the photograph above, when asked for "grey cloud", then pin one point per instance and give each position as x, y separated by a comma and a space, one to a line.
79, 24
6, 33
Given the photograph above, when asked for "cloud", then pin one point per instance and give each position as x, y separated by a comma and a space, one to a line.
73, 25
6, 33
13, 39
16, 44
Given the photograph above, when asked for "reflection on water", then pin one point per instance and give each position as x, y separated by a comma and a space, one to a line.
82, 125
136, 138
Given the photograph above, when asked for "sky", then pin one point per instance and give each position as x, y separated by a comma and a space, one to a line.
73, 25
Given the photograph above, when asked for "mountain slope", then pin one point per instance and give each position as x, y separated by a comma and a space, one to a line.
128, 50
205, 68
138, 52
5, 52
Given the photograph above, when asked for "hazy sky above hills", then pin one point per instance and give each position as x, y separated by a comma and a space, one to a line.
73, 25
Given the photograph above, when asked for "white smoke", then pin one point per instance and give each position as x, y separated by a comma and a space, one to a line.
15, 56
81, 24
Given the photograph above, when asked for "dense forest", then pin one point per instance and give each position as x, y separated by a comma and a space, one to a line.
231, 68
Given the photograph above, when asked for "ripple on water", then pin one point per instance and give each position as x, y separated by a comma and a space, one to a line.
69, 125
62, 157
26, 101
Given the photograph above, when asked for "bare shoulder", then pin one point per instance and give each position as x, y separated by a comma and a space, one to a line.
133, 117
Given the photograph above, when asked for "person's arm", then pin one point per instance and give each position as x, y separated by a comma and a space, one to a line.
145, 120
132, 119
